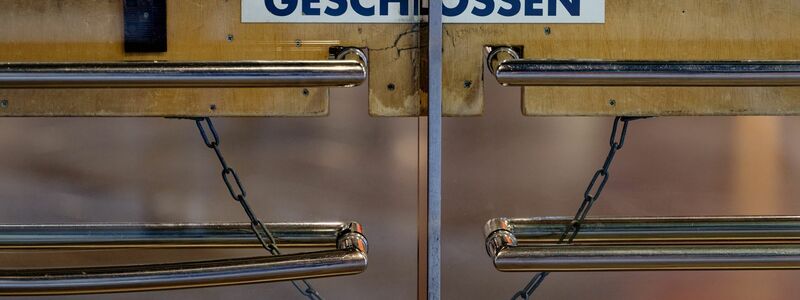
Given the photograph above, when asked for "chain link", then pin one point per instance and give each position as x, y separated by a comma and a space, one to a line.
238, 193
590, 196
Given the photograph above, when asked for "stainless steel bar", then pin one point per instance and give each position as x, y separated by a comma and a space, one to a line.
350, 256
648, 258
182, 275
213, 235
155, 74
522, 72
657, 243
656, 230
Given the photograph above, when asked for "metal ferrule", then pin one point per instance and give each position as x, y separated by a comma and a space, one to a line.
164, 74
499, 240
658, 243
498, 55
345, 255
497, 224
352, 237
528, 72
498, 235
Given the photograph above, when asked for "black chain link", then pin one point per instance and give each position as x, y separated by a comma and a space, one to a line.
589, 198
238, 193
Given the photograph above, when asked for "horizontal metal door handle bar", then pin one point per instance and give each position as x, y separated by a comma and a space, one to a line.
657, 243
347, 255
648, 258
155, 74
182, 275
509, 69
181, 235
655, 230
651, 73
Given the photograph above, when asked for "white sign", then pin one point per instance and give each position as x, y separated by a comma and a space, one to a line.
330, 11
408, 11
524, 11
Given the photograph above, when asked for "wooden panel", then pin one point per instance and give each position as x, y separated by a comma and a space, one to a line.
91, 30
637, 30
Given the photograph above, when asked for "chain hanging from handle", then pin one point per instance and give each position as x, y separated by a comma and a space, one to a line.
236, 189
590, 196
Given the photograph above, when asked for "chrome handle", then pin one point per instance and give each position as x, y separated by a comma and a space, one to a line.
526, 72
161, 74
648, 258
182, 275
348, 257
206, 235
605, 244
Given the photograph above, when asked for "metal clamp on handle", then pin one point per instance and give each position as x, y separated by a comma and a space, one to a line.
646, 244
348, 255
345, 71
526, 72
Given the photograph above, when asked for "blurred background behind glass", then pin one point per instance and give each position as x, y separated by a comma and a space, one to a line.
345, 167
352, 166
504, 164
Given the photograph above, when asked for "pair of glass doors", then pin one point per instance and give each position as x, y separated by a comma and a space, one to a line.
207, 71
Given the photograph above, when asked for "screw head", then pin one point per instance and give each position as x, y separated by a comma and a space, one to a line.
612, 102
390, 87
298, 43
3, 103
467, 84
212, 107
230, 38
306, 92
547, 31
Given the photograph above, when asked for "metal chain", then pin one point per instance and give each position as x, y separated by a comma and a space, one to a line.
237, 191
598, 183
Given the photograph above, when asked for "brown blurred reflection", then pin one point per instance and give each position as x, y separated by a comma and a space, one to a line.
351, 166
504, 164
347, 166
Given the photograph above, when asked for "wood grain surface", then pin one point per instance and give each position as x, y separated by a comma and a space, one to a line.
636, 30
198, 30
